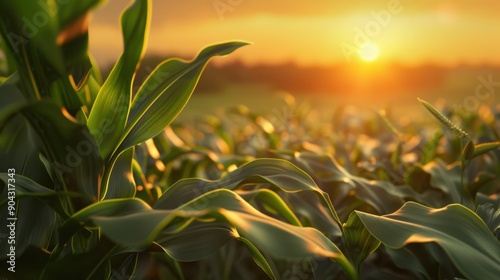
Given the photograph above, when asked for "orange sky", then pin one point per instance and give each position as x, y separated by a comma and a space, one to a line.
315, 32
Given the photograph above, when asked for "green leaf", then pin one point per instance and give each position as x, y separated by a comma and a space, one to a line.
258, 258
272, 202
447, 179
491, 216
484, 148
408, 259
280, 173
195, 242
123, 266
137, 229
111, 108
7, 62
111, 207
311, 211
360, 242
25, 188
459, 231
121, 183
425, 261
491, 199
84, 240
381, 195
430, 148
48, 40
22, 147
395, 132
24, 18
35, 213
25, 185
469, 150
272, 236
14, 136
88, 93
70, 149
11, 99
34, 224
481, 182
62, 93
165, 93
93, 264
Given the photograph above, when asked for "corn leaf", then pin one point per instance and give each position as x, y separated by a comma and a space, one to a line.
110, 110
165, 93
280, 173
491, 216
138, 229
272, 202
48, 40
121, 183
35, 219
383, 196
460, 232
195, 242
484, 148
360, 242
71, 150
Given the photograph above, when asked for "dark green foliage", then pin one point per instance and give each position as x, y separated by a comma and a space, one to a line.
106, 189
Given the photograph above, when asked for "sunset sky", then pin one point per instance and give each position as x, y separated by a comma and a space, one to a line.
316, 32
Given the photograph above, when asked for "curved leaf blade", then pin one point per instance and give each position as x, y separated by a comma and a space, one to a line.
459, 231
272, 201
484, 148
360, 242
138, 229
197, 241
491, 216
282, 174
381, 195
35, 219
258, 258
109, 113
121, 183
165, 93
71, 150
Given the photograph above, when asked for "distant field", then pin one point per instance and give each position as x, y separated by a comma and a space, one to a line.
258, 98
265, 100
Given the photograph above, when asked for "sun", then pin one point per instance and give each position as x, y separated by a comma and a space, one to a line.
369, 52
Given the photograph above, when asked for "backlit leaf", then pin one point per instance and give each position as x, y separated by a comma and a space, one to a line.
111, 108
459, 231
165, 93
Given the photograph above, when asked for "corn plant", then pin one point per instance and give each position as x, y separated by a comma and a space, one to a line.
423, 212
71, 140
101, 187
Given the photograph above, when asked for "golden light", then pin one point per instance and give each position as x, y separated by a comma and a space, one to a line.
369, 52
